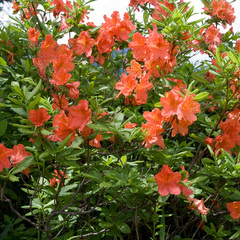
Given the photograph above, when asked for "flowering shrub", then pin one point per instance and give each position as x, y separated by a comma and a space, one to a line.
116, 133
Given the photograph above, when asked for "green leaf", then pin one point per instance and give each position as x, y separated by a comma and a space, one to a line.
44, 154
218, 57
6, 229
145, 16
34, 91
2, 62
25, 163
123, 160
105, 184
208, 230
233, 57
124, 228
20, 111
165, 8
17, 89
45, 132
184, 175
16, 101
34, 102
93, 174
64, 143
77, 142
90, 87
3, 126
235, 235
13, 178
47, 5
26, 131
118, 120
157, 105
198, 179
201, 96
98, 126
199, 79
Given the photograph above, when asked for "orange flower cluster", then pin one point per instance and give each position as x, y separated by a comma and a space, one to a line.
38, 117
60, 56
157, 8
155, 52
129, 83
76, 119
114, 29
234, 209
56, 180
153, 128
60, 6
178, 110
222, 10
88, 131
33, 36
11, 157
170, 182
229, 137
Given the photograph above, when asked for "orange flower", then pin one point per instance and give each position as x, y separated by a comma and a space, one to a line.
167, 181
47, 53
237, 47
63, 60
59, 7
153, 129
96, 141
188, 108
115, 27
210, 141
39, 117
104, 42
19, 154
180, 126
158, 46
134, 69
160, 10
133, 3
64, 24
130, 125
5, 153
223, 10
139, 46
126, 85
79, 115
212, 35
154, 66
56, 180
141, 90
73, 91
82, 44
15, 7
225, 142
49, 48
60, 77
33, 35
199, 205
170, 103
234, 209
64, 128
60, 102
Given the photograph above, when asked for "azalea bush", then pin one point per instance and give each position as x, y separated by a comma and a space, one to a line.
113, 131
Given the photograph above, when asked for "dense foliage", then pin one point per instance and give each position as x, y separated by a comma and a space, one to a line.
114, 133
